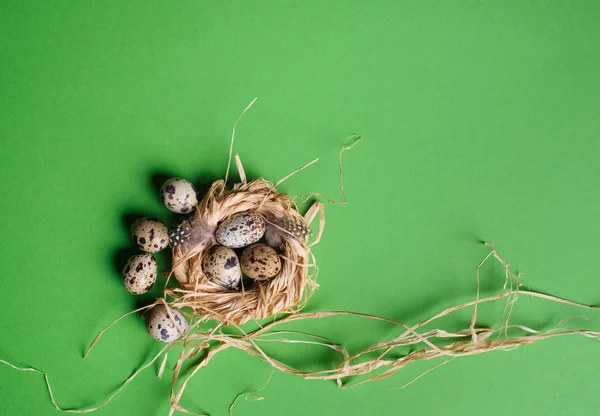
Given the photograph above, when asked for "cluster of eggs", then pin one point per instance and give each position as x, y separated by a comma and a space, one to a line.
150, 235
258, 261
221, 265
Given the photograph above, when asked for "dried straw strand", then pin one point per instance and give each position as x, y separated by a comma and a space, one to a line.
476, 340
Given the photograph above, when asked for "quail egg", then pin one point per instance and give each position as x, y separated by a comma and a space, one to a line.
139, 274
260, 262
240, 230
221, 266
150, 235
179, 195
161, 327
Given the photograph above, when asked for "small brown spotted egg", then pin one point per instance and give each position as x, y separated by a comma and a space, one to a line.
179, 195
139, 274
221, 266
161, 327
260, 262
150, 235
240, 230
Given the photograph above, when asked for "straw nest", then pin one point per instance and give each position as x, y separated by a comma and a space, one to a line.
286, 293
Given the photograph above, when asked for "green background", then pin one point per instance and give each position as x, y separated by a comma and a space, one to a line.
480, 122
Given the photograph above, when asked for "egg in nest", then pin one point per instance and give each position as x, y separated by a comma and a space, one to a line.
221, 266
240, 230
260, 262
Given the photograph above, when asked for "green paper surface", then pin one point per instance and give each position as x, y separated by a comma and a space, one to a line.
480, 122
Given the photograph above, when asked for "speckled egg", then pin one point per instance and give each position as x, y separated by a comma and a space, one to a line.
221, 266
139, 274
260, 262
150, 235
161, 327
240, 230
179, 195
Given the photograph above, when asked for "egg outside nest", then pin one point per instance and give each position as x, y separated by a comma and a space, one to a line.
150, 234
162, 327
179, 195
139, 274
